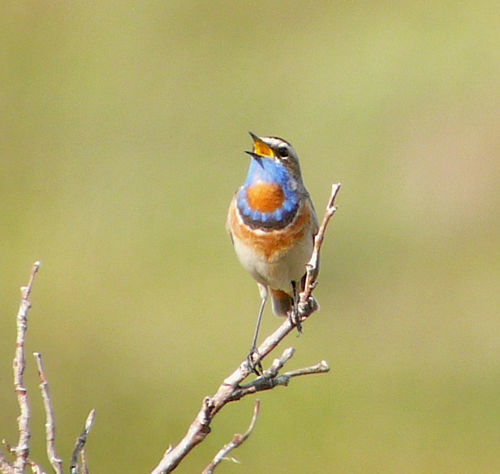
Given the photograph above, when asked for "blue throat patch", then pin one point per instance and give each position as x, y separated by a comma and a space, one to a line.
267, 170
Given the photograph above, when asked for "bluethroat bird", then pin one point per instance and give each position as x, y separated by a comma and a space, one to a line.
272, 223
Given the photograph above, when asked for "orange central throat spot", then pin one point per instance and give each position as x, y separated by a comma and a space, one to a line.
265, 197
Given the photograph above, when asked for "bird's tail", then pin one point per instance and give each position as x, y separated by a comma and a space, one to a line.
282, 302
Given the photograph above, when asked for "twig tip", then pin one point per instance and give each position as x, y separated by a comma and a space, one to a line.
288, 353
90, 420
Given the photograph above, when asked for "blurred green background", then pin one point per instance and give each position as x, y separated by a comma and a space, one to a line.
123, 126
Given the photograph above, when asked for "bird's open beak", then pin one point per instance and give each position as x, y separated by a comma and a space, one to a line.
261, 148
254, 155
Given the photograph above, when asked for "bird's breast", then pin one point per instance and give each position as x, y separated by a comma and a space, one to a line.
271, 244
267, 205
265, 197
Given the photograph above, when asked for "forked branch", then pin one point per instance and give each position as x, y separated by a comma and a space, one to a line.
237, 441
80, 445
20, 452
231, 388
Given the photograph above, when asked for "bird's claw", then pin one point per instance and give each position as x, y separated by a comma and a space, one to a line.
294, 318
255, 367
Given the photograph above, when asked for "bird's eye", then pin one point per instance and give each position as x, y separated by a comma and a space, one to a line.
283, 151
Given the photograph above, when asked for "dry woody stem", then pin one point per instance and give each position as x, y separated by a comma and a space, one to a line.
23, 445
50, 426
238, 440
21, 451
231, 388
80, 445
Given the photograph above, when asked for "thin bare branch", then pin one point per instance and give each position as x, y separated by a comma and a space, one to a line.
8, 447
50, 427
320, 368
5, 466
83, 458
23, 446
35, 468
271, 378
312, 267
231, 389
238, 440
29, 462
80, 444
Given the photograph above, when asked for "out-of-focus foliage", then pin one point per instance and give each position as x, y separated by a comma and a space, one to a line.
122, 127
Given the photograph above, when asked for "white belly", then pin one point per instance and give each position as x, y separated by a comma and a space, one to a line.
278, 272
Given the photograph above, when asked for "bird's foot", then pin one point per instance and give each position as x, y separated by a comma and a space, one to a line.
254, 366
294, 318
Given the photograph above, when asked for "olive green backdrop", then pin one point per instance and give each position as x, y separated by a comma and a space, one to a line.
122, 131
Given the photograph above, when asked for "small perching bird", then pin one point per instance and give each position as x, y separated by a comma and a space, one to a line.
272, 223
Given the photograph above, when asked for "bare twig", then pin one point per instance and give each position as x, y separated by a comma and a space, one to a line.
5, 467
238, 440
23, 446
21, 451
80, 444
83, 457
29, 462
320, 368
50, 427
200, 427
312, 267
271, 378
8, 447
35, 468
231, 388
